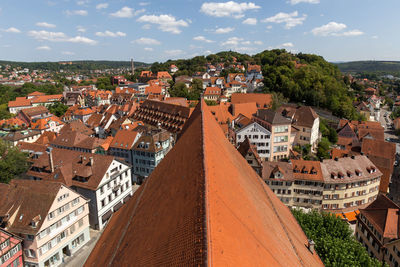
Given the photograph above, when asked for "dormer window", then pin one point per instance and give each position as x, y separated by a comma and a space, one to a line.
369, 170
358, 172
349, 174
333, 175
313, 171
340, 175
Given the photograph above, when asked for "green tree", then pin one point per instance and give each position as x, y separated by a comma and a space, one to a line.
58, 109
13, 162
333, 239
323, 148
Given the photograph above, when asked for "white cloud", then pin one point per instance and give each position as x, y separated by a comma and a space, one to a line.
287, 45
227, 9
81, 39
146, 27
202, 39
144, 3
289, 19
375, 37
60, 37
295, 2
102, 6
146, 41
110, 34
148, 49
207, 52
48, 36
44, 47
329, 29
269, 27
76, 12
12, 30
175, 52
69, 53
258, 42
352, 33
45, 25
250, 21
166, 23
82, 2
80, 29
127, 12
224, 30
232, 41
335, 29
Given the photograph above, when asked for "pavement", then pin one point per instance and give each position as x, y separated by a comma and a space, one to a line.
80, 257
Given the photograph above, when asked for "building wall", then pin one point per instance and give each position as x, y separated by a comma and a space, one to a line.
10, 250
279, 150
322, 195
68, 217
258, 136
340, 195
112, 190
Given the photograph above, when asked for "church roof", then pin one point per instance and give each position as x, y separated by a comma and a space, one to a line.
203, 205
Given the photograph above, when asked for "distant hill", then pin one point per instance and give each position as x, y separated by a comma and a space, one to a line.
75, 65
377, 67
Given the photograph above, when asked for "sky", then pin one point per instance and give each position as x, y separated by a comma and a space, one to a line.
158, 30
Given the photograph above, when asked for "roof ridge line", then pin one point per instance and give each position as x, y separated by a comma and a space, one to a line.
127, 225
282, 223
206, 203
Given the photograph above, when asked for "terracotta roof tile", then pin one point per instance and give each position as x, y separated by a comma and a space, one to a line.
262, 100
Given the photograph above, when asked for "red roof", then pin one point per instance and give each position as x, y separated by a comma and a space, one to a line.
20, 102
203, 206
212, 91
262, 100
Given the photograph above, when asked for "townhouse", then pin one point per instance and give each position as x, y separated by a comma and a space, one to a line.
122, 145
306, 121
14, 137
148, 151
52, 219
378, 230
103, 179
334, 185
258, 136
10, 249
280, 129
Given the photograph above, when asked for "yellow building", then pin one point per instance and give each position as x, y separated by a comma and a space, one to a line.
340, 185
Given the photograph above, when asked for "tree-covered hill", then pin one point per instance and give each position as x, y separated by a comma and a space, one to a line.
302, 78
377, 67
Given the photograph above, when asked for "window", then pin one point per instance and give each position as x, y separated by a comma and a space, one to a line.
30, 237
281, 129
103, 203
76, 201
280, 139
51, 215
80, 222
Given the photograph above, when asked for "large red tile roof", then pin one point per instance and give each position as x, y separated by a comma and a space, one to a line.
203, 205
262, 100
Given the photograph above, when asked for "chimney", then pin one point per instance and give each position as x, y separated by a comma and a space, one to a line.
51, 162
311, 246
91, 161
132, 67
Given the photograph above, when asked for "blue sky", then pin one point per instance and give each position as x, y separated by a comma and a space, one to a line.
339, 30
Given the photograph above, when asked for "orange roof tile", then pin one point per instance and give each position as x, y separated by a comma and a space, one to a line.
262, 100
210, 200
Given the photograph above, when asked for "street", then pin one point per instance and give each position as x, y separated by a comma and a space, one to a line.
390, 135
